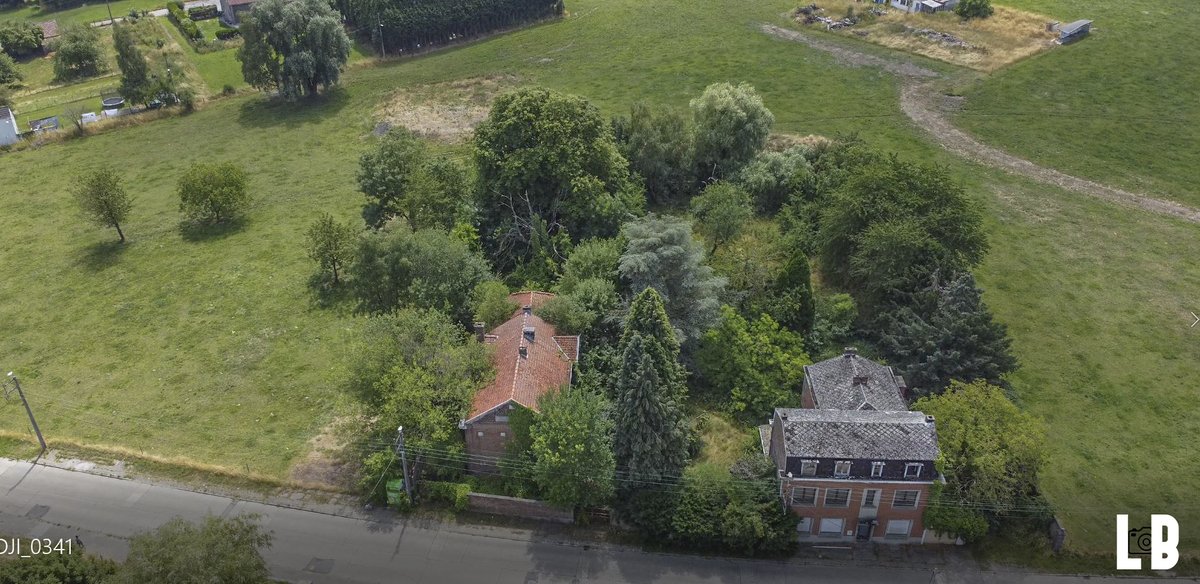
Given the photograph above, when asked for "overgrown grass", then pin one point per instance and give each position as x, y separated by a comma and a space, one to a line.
724, 441
216, 351
1118, 106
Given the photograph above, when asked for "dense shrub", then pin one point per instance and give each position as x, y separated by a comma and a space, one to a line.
453, 494
202, 12
413, 24
19, 38
225, 33
179, 17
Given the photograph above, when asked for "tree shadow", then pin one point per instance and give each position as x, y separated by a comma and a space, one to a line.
197, 232
275, 111
102, 255
326, 295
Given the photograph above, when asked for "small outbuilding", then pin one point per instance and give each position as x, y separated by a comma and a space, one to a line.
8, 127
1073, 31
44, 125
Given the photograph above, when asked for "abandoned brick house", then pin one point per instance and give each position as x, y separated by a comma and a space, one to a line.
854, 463
531, 359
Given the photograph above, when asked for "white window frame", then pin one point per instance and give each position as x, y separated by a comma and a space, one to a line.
849, 495
873, 504
887, 532
841, 526
838, 465
806, 464
815, 498
877, 469
920, 467
916, 500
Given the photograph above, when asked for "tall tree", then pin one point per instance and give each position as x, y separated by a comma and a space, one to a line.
331, 245
791, 302
731, 126
572, 447
549, 173
78, 54
892, 224
213, 192
771, 178
721, 212
650, 436
295, 46
401, 179
648, 320
752, 367
425, 269
591, 259
136, 84
947, 334
19, 38
658, 144
103, 200
8, 70
218, 549
991, 451
662, 254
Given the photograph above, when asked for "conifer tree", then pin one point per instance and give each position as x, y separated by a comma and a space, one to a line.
648, 319
650, 439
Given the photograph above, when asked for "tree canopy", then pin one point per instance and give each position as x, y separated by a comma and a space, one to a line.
572, 448
19, 38
658, 144
103, 200
650, 433
8, 70
731, 126
424, 269
296, 46
662, 254
400, 178
136, 83
549, 173
752, 367
78, 54
721, 212
331, 245
974, 8
217, 549
213, 192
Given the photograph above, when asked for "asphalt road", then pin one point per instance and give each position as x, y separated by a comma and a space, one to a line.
43, 502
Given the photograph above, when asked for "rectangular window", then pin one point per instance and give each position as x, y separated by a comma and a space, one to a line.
804, 496
479, 433
500, 418
906, 499
870, 498
808, 468
804, 527
876, 469
837, 497
913, 469
898, 528
503, 434
832, 526
841, 469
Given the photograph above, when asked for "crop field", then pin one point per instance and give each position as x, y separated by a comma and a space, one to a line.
212, 349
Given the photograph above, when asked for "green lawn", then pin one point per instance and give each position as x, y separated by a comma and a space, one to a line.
213, 349
83, 13
1119, 106
216, 68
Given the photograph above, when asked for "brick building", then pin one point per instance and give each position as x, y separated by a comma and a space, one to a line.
531, 359
855, 474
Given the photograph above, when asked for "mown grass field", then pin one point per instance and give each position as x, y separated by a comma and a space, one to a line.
1118, 107
81, 13
213, 349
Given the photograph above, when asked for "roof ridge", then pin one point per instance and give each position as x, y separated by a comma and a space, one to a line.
512, 391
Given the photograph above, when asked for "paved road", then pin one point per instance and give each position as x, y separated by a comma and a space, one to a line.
38, 501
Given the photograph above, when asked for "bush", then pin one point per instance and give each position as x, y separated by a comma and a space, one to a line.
974, 8
453, 494
213, 193
228, 90
185, 24
225, 33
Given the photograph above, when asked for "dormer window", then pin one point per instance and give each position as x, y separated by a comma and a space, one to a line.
841, 469
876, 469
913, 470
808, 468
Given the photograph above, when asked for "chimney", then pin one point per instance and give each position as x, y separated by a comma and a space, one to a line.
861, 379
479, 326
929, 419
529, 333
849, 352
527, 309
523, 351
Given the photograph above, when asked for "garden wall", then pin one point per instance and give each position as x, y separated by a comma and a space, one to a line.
514, 507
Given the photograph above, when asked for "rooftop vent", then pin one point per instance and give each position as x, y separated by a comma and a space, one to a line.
529, 333
479, 329
523, 351
929, 419
849, 352
527, 309
861, 379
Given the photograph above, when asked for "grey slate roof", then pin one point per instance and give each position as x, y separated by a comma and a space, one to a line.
857, 434
853, 382
1074, 27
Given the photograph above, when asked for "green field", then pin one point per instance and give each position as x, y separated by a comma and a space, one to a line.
81, 13
1118, 107
214, 350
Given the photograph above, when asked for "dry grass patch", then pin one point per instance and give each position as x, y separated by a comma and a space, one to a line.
445, 111
987, 44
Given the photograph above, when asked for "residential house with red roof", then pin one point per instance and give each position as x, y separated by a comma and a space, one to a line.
531, 359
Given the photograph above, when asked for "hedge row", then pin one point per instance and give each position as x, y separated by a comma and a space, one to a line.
453, 494
185, 25
202, 12
225, 34
414, 24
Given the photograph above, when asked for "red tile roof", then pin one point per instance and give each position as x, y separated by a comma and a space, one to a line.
546, 364
49, 29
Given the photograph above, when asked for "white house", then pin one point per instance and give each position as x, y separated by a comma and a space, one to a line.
920, 5
8, 127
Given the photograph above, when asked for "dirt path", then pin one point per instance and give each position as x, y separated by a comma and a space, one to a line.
922, 103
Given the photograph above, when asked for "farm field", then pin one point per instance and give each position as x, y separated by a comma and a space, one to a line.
213, 350
1117, 107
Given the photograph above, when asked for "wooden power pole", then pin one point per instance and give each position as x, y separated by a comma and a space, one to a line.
16, 386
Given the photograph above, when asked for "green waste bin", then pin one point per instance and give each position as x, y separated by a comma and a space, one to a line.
395, 493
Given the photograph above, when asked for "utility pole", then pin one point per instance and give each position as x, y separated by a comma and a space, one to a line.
17, 385
382, 47
403, 462
111, 20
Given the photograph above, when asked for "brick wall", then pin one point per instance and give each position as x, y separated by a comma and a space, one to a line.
486, 441
514, 507
883, 512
